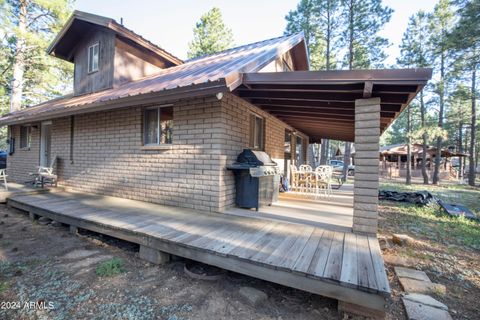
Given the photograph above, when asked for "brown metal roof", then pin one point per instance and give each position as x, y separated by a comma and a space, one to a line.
417, 148
322, 103
209, 74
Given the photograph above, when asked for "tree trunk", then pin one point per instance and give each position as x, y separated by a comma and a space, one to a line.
311, 155
346, 160
346, 155
460, 149
19, 60
408, 178
438, 154
323, 152
424, 142
350, 40
472, 167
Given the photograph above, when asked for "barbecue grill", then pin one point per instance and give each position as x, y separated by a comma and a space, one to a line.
256, 179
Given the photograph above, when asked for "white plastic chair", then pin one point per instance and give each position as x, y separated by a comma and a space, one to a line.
3, 175
46, 174
306, 180
294, 181
323, 179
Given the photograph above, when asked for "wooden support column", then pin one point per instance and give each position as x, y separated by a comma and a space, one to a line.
367, 137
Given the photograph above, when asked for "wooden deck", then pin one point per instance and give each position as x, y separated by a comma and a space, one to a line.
330, 213
340, 265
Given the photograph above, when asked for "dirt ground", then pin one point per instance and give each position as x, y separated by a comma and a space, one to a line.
445, 262
45, 263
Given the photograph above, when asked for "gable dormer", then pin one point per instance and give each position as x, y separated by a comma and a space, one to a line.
106, 54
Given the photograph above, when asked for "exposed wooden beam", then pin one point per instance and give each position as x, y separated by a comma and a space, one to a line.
321, 111
367, 89
319, 105
320, 96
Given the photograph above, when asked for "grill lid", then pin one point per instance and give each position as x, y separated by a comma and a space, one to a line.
255, 158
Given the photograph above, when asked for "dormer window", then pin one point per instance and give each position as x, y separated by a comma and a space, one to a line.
93, 58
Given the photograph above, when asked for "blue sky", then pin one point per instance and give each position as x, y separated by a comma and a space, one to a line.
169, 23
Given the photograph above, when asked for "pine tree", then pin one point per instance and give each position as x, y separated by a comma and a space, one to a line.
210, 35
458, 118
362, 20
319, 21
441, 22
414, 54
28, 74
465, 38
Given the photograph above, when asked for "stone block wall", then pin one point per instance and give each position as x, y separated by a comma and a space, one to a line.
367, 134
109, 157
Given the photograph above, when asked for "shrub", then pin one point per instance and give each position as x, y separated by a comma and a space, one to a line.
110, 267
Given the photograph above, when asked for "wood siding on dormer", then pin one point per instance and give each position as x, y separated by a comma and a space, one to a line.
132, 63
85, 82
278, 64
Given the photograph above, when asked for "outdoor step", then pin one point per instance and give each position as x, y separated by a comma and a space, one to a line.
411, 273
419, 311
426, 300
418, 286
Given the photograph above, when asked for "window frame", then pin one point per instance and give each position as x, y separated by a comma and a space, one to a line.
159, 132
253, 132
93, 70
28, 138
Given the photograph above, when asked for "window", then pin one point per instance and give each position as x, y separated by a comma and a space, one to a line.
288, 143
25, 137
158, 125
256, 132
300, 150
93, 58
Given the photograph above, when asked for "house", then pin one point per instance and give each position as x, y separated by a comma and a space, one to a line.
393, 161
144, 125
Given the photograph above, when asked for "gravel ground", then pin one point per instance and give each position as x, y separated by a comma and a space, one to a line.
45, 264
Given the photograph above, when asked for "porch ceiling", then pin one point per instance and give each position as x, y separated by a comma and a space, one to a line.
322, 103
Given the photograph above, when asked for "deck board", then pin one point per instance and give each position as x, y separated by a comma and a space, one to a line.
349, 273
291, 255
333, 266
319, 260
338, 264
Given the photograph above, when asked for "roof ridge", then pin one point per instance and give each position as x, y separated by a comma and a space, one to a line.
238, 47
150, 42
188, 63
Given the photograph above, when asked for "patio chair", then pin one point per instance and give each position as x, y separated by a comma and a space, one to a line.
3, 175
323, 179
294, 180
306, 179
46, 174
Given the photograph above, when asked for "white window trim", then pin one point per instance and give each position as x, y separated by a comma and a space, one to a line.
159, 133
88, 57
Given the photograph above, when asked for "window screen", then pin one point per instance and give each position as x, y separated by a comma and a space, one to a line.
25, 137
158, 125
256, 132
93, 57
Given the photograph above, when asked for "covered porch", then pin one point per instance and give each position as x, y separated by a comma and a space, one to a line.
354, 106
332, 213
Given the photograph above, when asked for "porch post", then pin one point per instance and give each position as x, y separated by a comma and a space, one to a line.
367, 137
